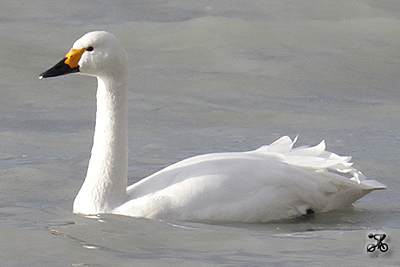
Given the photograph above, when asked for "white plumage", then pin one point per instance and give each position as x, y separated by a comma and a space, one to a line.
273, 182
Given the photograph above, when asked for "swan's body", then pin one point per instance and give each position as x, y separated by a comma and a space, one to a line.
271, 183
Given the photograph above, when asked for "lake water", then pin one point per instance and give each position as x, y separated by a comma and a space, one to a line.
207, 76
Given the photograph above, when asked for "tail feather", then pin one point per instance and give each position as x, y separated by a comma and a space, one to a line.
370, 185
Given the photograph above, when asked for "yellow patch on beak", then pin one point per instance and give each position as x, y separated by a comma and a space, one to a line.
73, 57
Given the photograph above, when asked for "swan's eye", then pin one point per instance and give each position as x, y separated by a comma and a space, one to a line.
90, 48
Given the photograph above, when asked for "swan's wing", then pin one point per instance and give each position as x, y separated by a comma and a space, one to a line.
316, 159
230, 187
270, 183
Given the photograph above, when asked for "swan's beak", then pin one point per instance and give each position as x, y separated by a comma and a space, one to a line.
69, 64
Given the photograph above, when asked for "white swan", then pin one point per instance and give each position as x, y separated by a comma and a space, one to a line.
271, 183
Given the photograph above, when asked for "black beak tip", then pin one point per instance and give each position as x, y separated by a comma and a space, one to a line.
41, 76
59, 69
47, 74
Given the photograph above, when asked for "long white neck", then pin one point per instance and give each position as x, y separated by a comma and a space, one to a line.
105, 185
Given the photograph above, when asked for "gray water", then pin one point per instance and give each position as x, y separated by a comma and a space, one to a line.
207, 76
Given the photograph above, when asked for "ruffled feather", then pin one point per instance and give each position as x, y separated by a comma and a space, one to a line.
314, 158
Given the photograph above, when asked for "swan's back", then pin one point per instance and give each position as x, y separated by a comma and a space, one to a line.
261, 185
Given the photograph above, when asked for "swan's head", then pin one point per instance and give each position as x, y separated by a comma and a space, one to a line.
96, 53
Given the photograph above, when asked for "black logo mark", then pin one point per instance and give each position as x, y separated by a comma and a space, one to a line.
379, 245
